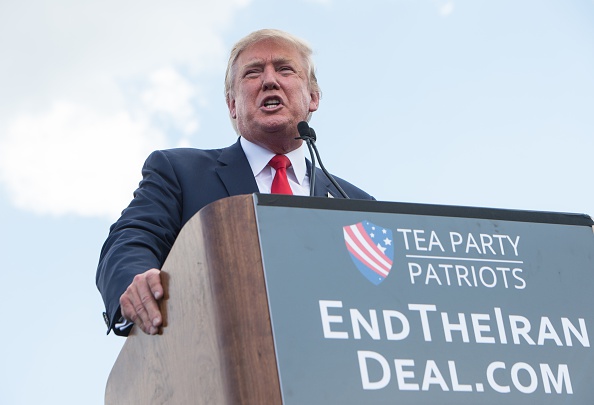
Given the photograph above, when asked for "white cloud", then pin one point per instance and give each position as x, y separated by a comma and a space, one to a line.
72, 159
92, 88
446, 8
170, 94
76, 49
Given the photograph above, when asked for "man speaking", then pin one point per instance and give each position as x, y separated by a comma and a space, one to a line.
270, 86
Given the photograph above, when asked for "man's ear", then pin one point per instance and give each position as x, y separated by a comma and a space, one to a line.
231, 106
314, 103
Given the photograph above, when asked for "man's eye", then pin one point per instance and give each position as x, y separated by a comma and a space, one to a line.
286, 69
251, 73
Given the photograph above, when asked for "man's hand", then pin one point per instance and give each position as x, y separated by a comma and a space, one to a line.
139, 302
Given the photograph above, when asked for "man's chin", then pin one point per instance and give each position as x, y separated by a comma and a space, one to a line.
277, 140
277, 126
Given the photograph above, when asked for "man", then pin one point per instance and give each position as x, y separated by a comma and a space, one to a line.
270, 86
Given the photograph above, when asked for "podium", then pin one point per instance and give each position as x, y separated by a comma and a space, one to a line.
275, 299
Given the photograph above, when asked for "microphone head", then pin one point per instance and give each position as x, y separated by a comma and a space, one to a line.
303, 129
312, 134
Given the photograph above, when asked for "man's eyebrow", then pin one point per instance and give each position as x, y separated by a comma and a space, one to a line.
259, 62
280, 60
253, 63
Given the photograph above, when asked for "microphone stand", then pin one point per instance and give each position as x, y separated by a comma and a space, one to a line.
305, 134
309, 136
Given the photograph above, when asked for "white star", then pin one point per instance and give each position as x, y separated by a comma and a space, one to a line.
384, 231
380, 247
372, 235
388, 241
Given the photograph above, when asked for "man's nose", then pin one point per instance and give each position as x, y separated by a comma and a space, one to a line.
269, 79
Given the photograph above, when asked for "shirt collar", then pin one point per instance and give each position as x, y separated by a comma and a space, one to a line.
258, 157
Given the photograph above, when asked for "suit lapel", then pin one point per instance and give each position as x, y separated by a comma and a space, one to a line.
235, 171
323, 186
236, 174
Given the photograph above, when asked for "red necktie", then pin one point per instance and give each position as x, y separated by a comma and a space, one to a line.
280, 184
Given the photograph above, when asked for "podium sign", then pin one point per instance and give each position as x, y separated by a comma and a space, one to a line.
375, 303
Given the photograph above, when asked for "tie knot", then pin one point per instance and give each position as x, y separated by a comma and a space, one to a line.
280, 162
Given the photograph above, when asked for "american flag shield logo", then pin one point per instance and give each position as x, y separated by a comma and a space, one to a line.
370, 247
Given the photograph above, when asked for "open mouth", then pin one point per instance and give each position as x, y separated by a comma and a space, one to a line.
271, 103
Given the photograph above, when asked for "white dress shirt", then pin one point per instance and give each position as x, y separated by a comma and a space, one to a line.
258, 157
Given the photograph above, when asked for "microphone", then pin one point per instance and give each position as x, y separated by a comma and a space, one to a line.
309, 136
306, 134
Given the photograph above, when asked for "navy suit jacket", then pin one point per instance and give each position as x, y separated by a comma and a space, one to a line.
176, 184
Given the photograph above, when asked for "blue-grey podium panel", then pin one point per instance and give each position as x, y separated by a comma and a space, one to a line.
385, 303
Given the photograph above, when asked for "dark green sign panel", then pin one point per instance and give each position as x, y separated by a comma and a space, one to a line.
380, 306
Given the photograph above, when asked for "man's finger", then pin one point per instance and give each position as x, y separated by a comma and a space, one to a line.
149, 292
138, 303
129, 306
153, 277
146, 306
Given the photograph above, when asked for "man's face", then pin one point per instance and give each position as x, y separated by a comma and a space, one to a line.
271, 95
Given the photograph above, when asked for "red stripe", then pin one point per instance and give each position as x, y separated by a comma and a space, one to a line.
364, 261
371, 244
369, 259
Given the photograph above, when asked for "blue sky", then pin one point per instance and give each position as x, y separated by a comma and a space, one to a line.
477, 103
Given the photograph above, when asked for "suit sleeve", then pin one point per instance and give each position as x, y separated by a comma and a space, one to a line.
143, 236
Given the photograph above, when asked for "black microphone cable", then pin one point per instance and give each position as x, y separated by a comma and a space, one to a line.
305, 134
309, 135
